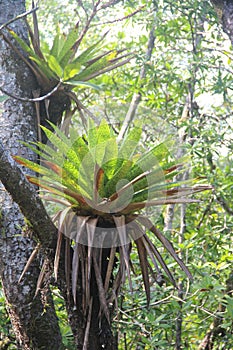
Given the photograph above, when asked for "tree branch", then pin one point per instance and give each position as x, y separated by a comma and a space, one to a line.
25, 195
38, 99
25, 14
122, 18
137, 96
224, 205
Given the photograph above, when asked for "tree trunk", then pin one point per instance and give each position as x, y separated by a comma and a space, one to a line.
33, 318
224, 10
30, 316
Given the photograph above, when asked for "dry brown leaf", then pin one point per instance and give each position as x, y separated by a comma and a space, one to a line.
121, 227
142, 253
102, 296
75, 271
166, 243
29, 261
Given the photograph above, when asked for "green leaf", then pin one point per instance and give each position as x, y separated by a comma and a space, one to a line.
31, 165
91, 134
71, 70
89, 52
61, 145
96, 67
150, 159
44, 67
103, 132
56, 43
130, 143
121, 173
82, 83
54, 66
22, 43
66, 51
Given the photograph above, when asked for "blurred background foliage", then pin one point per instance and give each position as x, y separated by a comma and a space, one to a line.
186, 93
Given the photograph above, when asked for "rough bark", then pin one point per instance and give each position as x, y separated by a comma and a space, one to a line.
30, 316
29, 322
26, 196
224, 10
227, 19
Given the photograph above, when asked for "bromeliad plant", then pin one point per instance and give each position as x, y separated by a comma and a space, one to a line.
62, 67
62, 63
104, 185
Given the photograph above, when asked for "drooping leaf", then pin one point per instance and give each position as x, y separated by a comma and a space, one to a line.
75, 271
166, 243
142, 253
57, 254
99, 281
124, 248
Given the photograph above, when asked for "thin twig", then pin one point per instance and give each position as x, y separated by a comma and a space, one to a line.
122, 18
137, 96
224, 205
108, 4
86, 27
38, 99
18, 17
85, 343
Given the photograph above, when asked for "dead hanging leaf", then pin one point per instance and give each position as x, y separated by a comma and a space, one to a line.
78, 254
67, 264
142, 253
150, 253
99, 281
83, 258
57, 254
118, 281
80, 227
166, 243
110, 268
75, 271
64, 218
90, 228
44, 270
160, 260
124, 248
87, 329
137, 232
30, 260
